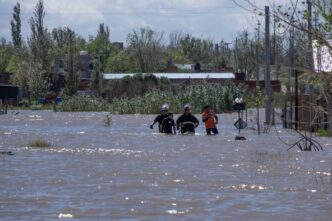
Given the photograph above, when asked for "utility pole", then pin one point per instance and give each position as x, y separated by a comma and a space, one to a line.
268, 103
290, 74
257, 74
296, 100
310, 62
246, 57
236, 56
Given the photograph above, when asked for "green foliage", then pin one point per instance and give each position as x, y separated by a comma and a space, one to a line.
16, 26
39, 144
40, 40
122, 62
6, 51
257, 98
134, 86
324, 133
179, 57
279, 100
13, 63
100, 47
30, 76
37, 85
83, 104
220, 96
36, 107
196, 49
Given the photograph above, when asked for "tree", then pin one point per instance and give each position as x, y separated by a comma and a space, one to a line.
245, 56
16, 26
30, 77
95, 76
196, 49
40, 40
100, 47
146, 45
6, 51
103, 32
62, 38
72, 78
122, 61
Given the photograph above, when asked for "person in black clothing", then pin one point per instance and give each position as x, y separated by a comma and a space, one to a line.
164, 114
187, 122
168, 125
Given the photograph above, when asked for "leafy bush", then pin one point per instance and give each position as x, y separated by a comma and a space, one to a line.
324, 133
78, 103
39, 144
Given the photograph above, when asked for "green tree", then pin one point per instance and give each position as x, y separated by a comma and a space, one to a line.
40, 40
30, 76
122, 61
100, 47
16, 26
72, 77
95, 76
196, 49
6, 51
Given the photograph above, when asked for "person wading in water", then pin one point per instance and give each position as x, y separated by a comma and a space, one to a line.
163, 114
187, 122
168, 125
210, 119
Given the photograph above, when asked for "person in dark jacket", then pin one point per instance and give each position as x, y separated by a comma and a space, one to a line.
163, 115
187, 122
168, 125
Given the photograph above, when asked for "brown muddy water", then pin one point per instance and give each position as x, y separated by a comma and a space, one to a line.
129, 172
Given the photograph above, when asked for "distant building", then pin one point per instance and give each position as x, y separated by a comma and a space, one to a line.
84, 67
8, 91
118, 45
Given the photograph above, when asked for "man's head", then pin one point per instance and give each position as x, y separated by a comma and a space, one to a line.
207, 108
186, 109
164, 109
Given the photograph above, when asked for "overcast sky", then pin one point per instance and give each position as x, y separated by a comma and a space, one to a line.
214, 19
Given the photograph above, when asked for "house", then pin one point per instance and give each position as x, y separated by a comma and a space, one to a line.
8, 92
84, 65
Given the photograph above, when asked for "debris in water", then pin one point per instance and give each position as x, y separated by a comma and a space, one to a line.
7, 153
238, 137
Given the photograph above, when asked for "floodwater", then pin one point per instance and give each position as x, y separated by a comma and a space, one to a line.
129, 172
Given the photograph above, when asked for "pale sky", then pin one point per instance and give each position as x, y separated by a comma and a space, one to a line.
214, 19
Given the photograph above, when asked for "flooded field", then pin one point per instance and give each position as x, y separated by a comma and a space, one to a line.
129, 172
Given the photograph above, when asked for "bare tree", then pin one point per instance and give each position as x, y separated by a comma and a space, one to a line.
146, 44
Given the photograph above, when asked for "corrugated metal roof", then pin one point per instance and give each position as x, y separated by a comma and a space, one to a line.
114, 76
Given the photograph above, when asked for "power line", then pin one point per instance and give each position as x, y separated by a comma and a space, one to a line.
203, 10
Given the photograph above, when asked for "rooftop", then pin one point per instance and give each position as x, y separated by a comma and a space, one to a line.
114, 76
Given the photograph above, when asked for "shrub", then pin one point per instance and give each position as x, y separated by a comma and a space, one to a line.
39, 144
78, 103
324, 133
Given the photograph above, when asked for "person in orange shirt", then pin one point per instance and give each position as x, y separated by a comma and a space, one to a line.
210, 119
